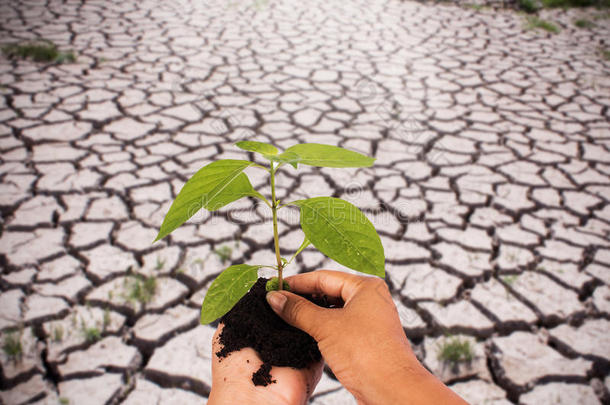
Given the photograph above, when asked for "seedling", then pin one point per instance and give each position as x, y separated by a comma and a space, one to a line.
475, 7
12, 345
530, 6
91, 333
533, 22
38, 51
140, 288
335, 227
455, 351
160, 263
224, 253
584, 23
58, 333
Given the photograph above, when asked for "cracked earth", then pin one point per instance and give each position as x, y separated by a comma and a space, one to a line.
490, 190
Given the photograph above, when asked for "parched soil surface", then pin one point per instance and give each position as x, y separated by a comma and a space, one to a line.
490, 190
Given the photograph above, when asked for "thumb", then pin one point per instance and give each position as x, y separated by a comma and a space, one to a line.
297, 311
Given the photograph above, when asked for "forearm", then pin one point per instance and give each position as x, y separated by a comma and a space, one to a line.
409, 383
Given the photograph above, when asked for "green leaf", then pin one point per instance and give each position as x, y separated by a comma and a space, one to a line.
315, 154
212, 187
228, 288
342, 232
260, 147
287, 157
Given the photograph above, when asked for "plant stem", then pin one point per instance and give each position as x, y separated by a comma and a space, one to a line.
274, 207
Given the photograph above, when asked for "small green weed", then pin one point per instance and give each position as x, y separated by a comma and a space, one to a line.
160, 263
12, 345
224, 253
140, 288
38, 51
455, 350
58, 333
533, 22
64, 401
583, 23
605, 54
530, 6
91, 333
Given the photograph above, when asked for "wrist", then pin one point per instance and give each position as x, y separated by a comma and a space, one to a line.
392, 381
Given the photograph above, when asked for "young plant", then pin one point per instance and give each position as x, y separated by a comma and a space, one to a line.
455, 350
584, 23
139, 288
12, 345
475, 7
530, 6
159, 264
335, 227
91, 333
533, 22
58, 333
38, 51
224, 253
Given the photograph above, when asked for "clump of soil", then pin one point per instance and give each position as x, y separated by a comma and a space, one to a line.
252, 323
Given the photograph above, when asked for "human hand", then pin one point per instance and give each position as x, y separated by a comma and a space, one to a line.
363, 342
232, 380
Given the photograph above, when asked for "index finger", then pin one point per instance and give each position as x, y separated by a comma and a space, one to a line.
328, 282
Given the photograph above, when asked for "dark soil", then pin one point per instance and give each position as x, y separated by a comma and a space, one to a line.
252, 323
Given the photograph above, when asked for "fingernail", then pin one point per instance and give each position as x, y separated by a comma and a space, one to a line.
276, 300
